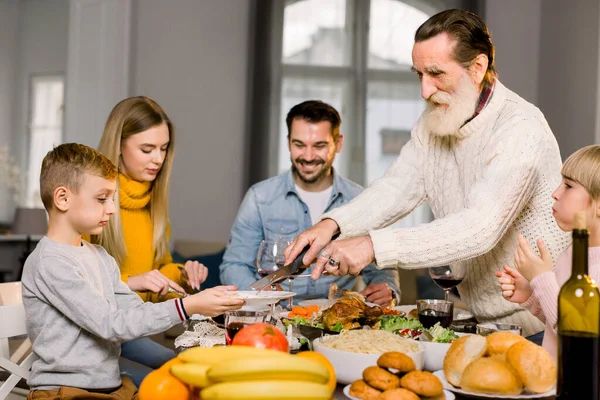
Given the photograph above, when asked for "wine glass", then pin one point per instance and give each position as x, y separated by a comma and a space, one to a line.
447, 277
238, 319
270, 257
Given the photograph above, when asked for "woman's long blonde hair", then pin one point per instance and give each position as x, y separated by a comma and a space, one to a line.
131, 116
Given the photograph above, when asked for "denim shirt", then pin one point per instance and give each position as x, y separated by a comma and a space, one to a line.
272, 209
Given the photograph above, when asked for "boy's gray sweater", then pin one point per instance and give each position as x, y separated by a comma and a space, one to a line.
78, 313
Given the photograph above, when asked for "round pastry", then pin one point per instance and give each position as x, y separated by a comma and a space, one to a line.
380, 378
462, 352
398, 394
396, 360
490, 375
422, 383
441, 396
363, 391
533, 364
499, 342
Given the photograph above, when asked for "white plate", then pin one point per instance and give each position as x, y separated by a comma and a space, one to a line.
525, 395
449, 395
322, 303
252, 297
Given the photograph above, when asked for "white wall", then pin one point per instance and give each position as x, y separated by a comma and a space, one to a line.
192, 57
33, 41
43, 43
547, 51
515, 28
568, 85
9, 17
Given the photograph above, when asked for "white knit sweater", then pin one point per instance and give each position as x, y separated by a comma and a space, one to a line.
489, 182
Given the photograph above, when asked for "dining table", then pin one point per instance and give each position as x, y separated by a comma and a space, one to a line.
339, 395
465, 325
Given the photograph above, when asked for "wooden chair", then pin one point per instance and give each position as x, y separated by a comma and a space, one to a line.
12, 315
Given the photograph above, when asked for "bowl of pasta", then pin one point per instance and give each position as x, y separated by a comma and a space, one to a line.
352, 351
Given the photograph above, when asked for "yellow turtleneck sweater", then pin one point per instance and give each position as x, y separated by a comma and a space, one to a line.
134, 198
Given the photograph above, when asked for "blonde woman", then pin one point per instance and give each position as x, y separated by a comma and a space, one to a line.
139, 139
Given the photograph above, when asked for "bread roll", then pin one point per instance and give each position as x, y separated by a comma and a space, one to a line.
396, 360
398, 394
533, 364
380, 378
363, 391
490, 375
499, 342
422, 383
462, 352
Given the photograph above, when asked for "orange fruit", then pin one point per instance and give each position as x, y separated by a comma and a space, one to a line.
173, 361
161, 385
321, 359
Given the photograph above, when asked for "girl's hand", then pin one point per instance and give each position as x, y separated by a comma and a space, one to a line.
212, 302
153, 281
528, 262
196, 273
514, 286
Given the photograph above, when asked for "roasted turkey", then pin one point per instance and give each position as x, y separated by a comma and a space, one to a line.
351, 311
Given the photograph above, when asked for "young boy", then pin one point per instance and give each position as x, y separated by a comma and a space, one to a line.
78, 309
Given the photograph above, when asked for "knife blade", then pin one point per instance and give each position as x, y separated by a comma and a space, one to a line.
294, 268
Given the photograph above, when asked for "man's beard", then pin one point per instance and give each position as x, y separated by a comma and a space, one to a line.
318, 173
447, 113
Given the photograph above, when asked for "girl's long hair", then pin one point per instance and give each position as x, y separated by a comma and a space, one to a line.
131, 116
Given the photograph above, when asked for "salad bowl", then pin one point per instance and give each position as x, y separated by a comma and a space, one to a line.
436, 340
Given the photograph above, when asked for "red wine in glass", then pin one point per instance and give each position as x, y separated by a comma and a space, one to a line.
430, 317
447, 277
232, 329
447, 282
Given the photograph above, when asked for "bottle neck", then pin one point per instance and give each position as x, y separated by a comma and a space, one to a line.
580, 252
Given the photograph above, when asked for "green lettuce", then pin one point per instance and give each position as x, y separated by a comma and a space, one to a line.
393, 323
337, 327
297, 320
442, 335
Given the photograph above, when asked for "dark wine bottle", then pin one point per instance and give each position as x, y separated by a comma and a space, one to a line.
578, 325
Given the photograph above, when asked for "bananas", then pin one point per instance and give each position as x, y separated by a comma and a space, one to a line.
215, 355
192, 374
243, 372
266, 390
291, 368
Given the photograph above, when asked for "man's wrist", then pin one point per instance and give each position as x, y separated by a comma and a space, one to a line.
333, 224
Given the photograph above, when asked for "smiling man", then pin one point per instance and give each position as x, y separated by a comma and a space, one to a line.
283, 206
483, 158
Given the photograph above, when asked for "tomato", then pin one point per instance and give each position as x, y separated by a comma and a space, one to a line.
263, 336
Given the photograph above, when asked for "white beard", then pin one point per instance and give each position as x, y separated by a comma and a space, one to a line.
446, 113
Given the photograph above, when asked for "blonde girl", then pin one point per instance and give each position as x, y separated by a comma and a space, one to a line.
534, 282
139, 138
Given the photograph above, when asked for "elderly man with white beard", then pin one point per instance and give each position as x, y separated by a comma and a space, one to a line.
483, 158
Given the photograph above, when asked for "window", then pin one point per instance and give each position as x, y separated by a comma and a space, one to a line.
355, 55
45, 129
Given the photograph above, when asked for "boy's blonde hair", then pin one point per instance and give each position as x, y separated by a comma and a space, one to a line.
583, 167
65, 165
130, 116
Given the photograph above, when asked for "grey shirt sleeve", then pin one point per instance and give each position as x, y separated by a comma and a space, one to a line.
63, 285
